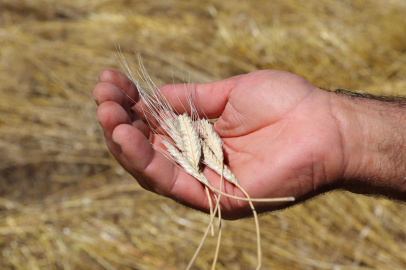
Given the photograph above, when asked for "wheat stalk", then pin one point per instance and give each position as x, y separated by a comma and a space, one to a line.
216, 253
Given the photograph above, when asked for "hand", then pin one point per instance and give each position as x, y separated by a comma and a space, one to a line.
280, 138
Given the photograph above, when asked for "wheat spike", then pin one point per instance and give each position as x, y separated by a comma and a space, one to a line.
191, 142
174, 133
213, 152
212, 162
211, 137
184, 162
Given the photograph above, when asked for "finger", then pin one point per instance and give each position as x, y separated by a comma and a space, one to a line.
210, 99
122, 82
129, 93
165, 177
110, 115
106, 91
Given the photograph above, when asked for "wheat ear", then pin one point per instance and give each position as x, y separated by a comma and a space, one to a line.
211, 138
183, 162
192, 149
210, 160
161, 109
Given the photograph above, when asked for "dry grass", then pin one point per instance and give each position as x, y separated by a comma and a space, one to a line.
66, 204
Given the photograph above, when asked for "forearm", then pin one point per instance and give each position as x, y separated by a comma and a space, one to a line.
374, 145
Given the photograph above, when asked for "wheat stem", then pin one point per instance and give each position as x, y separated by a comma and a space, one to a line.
211, 207
204, 236
259, 250
211, 138
220, 227
281, 199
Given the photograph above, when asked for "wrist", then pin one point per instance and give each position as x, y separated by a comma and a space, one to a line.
373, 145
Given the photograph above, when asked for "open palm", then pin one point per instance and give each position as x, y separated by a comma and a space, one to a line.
279, 138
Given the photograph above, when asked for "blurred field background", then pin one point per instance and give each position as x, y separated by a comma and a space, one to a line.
66, 204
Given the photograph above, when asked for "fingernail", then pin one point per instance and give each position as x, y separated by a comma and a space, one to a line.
98, 120
95, 99
116, 141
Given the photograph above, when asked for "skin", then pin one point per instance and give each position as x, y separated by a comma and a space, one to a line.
282, 137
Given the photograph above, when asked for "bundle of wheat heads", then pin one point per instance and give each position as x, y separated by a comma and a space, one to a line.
190, 142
